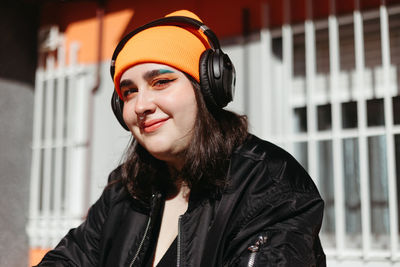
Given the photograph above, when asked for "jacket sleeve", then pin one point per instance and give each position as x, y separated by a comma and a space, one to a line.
80, 247
281, 228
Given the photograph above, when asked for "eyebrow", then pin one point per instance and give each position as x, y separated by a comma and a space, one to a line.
154, 73
125, 83
147, 76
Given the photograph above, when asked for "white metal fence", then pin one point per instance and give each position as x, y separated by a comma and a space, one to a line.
332, 89
59, 148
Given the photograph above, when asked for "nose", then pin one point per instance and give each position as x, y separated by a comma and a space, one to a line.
145, 102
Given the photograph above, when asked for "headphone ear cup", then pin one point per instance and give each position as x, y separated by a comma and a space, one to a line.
227, 81
117, 106
205, 82
217, 78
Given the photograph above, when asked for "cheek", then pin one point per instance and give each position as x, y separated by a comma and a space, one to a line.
191, 104
191, 112
186, 109
128, 114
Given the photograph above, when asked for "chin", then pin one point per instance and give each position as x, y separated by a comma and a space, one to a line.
163, 148
157, 149
163, 155
163, 152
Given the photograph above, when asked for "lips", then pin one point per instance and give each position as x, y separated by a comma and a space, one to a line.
153, 125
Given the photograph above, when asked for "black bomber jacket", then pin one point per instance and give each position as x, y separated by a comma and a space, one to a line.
270, 214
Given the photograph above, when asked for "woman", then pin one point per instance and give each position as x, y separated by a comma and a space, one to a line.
195, 188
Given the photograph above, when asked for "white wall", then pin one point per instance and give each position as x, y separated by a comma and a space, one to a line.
109, 138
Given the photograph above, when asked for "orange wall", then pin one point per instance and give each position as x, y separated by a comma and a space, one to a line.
79, 23
36, 255
78, 18
87, 33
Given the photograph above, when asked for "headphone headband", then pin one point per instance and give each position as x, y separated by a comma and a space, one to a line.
179, 21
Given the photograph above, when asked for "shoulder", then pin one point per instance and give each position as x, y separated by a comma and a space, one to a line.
269, 164
115, 191
258, 149
266, 185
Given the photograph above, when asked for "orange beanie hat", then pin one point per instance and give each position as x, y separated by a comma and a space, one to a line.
175, 46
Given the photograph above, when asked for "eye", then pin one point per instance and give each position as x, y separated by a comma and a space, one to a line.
128, 93
161, 83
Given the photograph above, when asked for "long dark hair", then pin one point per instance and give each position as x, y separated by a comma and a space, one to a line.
206, 160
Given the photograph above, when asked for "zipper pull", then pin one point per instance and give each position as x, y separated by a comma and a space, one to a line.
255, 248
260, 241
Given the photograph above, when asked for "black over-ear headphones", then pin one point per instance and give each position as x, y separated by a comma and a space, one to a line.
217, 73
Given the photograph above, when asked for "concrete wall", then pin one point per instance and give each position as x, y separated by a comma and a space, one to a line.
17, 68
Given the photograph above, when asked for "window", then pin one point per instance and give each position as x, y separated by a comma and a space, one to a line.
59, 150
344, 129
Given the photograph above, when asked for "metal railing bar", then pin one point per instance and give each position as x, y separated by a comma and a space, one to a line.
390, 153
334, 57
310, 90
362, 125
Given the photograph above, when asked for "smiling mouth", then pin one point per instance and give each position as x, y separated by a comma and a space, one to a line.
153, 125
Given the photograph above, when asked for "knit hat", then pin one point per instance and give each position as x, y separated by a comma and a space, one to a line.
175, 46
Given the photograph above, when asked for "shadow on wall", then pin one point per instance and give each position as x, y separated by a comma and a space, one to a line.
18, 42
18, 30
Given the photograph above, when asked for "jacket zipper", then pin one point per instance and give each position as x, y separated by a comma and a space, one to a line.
255, 248
178, 258
154, 198
141, 242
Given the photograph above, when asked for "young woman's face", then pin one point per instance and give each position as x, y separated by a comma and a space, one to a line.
160, 109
